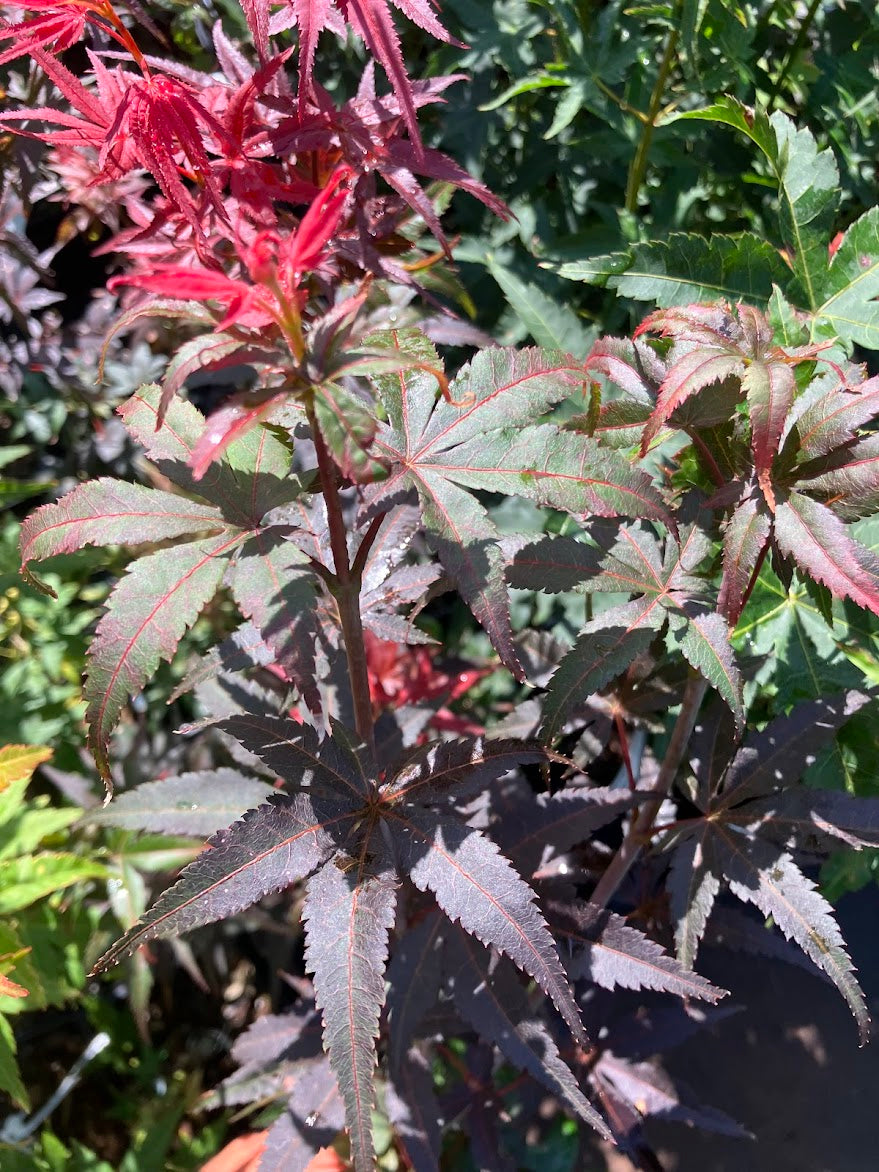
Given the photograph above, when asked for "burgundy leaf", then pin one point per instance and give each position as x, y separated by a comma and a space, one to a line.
414, 978
819, 544
415, 1113
272, 847
491, 998
476, 886
760, 874
348, 916
606, 950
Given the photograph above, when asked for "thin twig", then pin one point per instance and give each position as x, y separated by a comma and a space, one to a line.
641, 825
346, 590
638, 168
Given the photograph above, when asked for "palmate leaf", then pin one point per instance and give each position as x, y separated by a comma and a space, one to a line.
686, 268
736, 838
476, 441
162, 594
414, 1111
348, 916
851, 285
367, 832
670, 592
745, 537
829, 414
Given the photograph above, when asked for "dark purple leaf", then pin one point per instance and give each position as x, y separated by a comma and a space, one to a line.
492, 1000
348, 916
197, 804
476, 887
604, 949
271, 848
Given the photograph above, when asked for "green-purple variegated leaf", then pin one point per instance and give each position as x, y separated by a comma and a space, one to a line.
272, 847
500, 390
557, 469
779, 754
692, 887
606, 950
251, 478
633, 366
348, 915
619, 424
744, 539
348, 428
414, 978
273, 586
835, 417
770, 388
148, 612
492, 1000
690, 374
111, 512
464, 537
608, 644
759, 873
198, 804
703, 639
818, 543
295, 753
475, 886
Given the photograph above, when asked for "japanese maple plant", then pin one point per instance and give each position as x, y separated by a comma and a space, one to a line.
456, 884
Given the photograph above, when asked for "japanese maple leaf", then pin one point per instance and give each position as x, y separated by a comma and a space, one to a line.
371, 20
487, 435
369, 133
355, 833
667, 589
751, 809
715, 342
275, 265
58, 26
220, 539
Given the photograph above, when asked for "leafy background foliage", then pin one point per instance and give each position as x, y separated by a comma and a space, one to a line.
728, 455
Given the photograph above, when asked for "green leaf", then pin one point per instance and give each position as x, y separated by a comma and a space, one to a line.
550, 323
24, 881
10, 1077
687, 268
851, 285
808, 185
